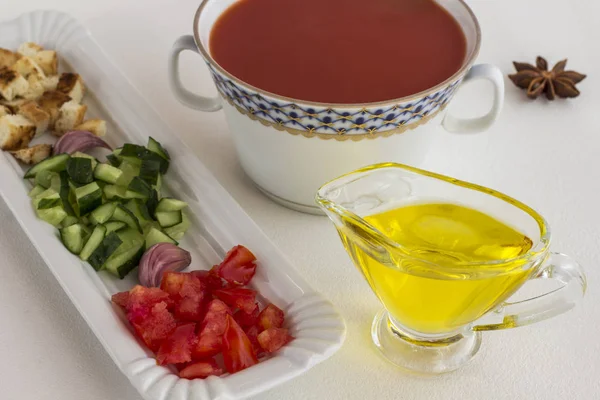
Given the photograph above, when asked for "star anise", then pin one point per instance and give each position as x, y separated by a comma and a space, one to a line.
537, 79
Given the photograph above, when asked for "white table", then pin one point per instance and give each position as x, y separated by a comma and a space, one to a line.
545, 154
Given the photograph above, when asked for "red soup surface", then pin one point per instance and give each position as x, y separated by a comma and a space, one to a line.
339, 51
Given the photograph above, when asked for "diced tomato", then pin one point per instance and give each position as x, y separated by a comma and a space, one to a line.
215, 318
152, 325
121, 299
238, 267
246, 320
270, 317
201, 370
188, 292
144, 297
189, 309
273, 339
210, 278
252, 334
177, 348
209, 344
238, 353
244, 299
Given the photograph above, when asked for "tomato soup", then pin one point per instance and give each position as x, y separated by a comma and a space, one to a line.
339, 51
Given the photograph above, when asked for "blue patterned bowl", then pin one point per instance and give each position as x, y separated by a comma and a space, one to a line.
290, 147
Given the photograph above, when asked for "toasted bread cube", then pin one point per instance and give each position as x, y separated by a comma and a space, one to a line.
36, 114
36, 87
33, 154
12, 84
51, 102
48, 61
71, 115
72, 85
95, 126
50, 83
26, 66
29, 49
15, 132
8, 58
5, 111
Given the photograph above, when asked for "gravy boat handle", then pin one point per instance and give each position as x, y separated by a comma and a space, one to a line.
558, 267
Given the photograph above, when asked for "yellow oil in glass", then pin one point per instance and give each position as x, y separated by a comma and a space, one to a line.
421, 286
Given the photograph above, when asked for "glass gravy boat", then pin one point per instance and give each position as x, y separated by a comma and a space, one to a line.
434, 311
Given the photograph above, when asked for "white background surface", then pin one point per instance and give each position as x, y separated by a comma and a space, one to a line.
546, 154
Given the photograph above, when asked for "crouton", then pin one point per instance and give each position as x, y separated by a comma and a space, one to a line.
95, 126
50, 83
36, 114
36, 87
12, 84
71, 115
51, 102
33, 154
29, 49
13, 105
15, 132
48, 61
8, 58
26, 66
4, 111
71, 85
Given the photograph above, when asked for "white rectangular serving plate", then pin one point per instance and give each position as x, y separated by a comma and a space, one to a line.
218, 223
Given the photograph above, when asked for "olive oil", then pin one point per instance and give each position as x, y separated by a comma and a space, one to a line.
451, 264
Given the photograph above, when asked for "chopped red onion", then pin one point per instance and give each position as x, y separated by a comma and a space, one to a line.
82, 141
160, 258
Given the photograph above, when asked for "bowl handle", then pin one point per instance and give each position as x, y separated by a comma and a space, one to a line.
186, 97
479, 124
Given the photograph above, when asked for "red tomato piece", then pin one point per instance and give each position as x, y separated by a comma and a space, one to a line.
215, 318
144, 297
188, 292
244, 299
201, 370
238, 267
246, 320
210, 278
121, 299
238, 353
189, 309
273, 339
209, 344
270, 317
252, 334
152, 325
177, 348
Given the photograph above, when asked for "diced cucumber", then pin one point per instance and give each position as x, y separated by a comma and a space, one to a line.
152, 202
37, 189
80, 170
139, 186
107, 173
170, 204
157, 148
64, 192
55, 181
139, 209
72, 237
93, 242
113, 160
155, 236
158, 185
105, 249
135, 154
113, 226
177, 231
44, 178
79, 154
149, 171
124, 215
87, 198
55, 163
103, 213
167, 219
113, 192
130, 171
68, 221
128, 255
49, 202
54, 215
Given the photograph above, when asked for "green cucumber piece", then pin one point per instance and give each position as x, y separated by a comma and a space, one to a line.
113, 160
65, 191
44, 178
124, 215
55, 163
113, 192
177, 231
47, 203
139, 209
107, 173
158, 185
37, 189
103, 213
113, 226
156, 147
93, 242
54, 215
167, 219
128, 255
110, 243
79, 154
139, 186
87, 198
80, 170
135, 154
170, 204
149, 171
152, 202
72, 237
130, 171
69, 220
155, 236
